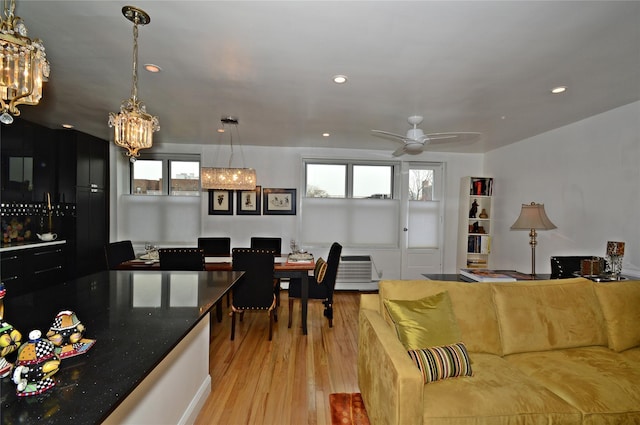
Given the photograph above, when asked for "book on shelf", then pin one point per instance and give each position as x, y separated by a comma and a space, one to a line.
486, 275
479, 244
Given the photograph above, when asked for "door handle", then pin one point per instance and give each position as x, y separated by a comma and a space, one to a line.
405, 230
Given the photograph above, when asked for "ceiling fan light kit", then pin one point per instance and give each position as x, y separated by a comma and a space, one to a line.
416, 140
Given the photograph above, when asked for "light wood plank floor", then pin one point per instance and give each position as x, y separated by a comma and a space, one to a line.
286, 381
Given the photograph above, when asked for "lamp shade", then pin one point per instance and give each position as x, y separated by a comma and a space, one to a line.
533, 216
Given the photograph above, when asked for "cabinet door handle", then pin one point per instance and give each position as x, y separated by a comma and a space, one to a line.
57, 251
94, 190
13, 257
94, 185
7, 279
48, 270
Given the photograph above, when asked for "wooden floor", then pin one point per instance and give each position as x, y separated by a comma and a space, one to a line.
286, 381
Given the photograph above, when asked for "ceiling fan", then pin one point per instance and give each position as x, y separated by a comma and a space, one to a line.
416, 140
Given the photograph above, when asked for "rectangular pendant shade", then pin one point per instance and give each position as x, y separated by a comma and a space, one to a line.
228, 178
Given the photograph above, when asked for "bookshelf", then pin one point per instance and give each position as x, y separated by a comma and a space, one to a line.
474, 231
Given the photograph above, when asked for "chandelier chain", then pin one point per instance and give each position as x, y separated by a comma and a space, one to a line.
134, 87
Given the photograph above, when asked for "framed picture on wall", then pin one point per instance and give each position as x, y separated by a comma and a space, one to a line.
220, 202
279, 201
248, 202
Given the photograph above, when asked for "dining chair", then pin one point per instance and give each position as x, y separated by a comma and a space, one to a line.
563, 267
118, 252
213, 246
181, 258
216, 246
320, 287
275, 245
254, 290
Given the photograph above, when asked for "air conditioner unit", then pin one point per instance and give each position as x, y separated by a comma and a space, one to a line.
354, 269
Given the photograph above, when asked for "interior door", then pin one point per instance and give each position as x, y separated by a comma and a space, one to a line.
421, 235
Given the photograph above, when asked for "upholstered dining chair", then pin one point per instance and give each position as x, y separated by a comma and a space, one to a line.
118, 252
181, 258
213, 246
564, 267
254, 290
271, 244
320, 287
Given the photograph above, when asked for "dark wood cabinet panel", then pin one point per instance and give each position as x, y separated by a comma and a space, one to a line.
11, 268
28, 162
91, 230
26, 270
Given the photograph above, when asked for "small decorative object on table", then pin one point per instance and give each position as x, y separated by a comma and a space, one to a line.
615, 254
66, 335
37, 363
591, 266
300, 257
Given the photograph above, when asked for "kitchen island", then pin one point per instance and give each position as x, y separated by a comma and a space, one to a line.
150, 362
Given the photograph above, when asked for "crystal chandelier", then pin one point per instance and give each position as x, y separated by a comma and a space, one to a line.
23, 65
229, 178
133, 126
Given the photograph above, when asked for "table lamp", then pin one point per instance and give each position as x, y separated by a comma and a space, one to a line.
533, 217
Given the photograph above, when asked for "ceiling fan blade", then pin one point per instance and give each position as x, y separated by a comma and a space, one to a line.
399, 151
464, 137
387, 134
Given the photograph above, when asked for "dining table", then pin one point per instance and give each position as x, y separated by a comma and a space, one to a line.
284, 267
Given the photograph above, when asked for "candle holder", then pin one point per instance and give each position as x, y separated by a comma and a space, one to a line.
615, 255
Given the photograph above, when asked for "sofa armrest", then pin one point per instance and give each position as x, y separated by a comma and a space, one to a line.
390, 383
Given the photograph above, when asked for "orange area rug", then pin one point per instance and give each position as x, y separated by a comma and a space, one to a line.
347, 409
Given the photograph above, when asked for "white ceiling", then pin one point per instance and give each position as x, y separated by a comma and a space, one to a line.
479, 66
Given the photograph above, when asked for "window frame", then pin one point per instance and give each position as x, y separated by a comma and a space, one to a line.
350, 163
166, 160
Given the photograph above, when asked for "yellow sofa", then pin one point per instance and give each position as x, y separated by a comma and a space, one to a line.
542, 352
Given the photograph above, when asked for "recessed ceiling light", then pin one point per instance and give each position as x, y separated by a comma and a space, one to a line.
339, 79
67, 125
152, 68
326, 134
559, 89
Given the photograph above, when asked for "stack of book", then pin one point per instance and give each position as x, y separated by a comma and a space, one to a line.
486, 275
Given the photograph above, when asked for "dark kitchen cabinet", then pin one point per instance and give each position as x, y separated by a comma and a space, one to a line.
29, 269
91, 230
28, 162
84, 180
70, 167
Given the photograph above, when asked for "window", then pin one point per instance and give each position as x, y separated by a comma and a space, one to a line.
349, 180
421, 185
157, 175
349, 199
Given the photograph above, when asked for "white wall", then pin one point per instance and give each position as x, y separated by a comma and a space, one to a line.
588, 176
276, 167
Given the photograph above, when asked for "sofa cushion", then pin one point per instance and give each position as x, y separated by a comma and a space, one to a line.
620, 302
498, 393
596, 380
548, 314
472, 305
446, 361
425, 322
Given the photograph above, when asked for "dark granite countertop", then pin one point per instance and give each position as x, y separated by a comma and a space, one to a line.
136, 318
